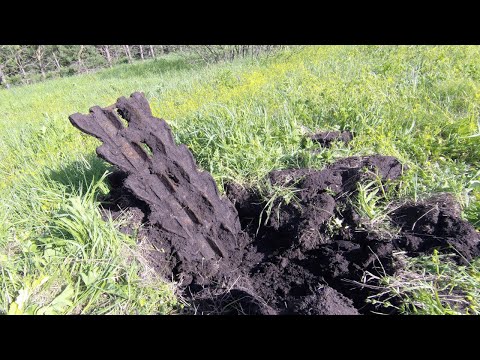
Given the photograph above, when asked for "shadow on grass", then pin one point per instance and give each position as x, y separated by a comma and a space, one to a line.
147, 68
78, 175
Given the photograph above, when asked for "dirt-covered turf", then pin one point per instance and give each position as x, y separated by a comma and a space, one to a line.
229, 256
326, 138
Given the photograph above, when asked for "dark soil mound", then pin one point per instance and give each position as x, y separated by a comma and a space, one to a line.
325, 139
436, 223
321, 190
299, 251
325, 301
229, 256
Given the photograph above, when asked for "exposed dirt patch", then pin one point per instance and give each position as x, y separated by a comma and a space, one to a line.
325, 139
229, 256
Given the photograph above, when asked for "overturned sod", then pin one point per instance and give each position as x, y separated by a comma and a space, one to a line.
228, 256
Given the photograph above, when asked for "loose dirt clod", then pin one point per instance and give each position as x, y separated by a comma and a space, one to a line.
436, 222
232, 257
325, 139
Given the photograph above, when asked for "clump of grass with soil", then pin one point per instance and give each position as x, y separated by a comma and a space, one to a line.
241, 120
429, 285
274, 197
373, 202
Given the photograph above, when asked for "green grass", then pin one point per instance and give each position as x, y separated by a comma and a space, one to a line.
430, 285
241, 120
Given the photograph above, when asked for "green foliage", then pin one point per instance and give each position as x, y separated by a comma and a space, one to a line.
432, 285
77, 263
368, 201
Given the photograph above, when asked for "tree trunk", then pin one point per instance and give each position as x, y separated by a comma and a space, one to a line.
107, 54
18, 60
56, 62
152, 52
141, 52
128, 53
3, 80
79, 57
39, 56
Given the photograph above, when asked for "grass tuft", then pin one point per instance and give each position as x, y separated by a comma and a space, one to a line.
432, 284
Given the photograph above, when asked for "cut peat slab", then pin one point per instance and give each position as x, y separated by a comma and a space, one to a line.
193, 227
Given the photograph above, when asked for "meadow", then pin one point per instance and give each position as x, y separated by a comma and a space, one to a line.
240, 119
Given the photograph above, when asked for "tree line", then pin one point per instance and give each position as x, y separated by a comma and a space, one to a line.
25, 64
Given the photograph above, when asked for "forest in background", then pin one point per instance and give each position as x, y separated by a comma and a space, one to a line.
26, 64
